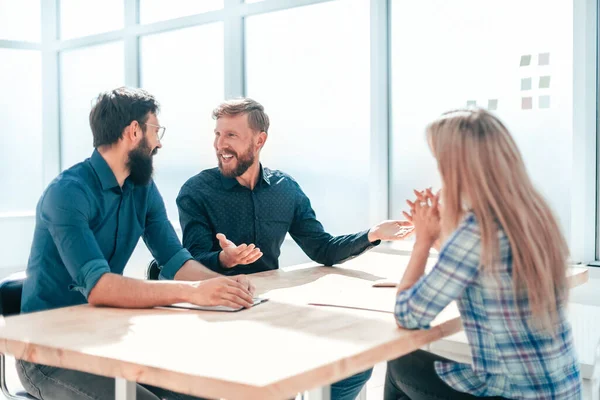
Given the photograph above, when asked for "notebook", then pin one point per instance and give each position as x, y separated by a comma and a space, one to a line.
190, 306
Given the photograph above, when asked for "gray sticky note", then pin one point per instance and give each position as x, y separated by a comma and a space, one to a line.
544, 82
544, 59
471, 103
544, 101
492, 104
525, 60
526, 103
526, 84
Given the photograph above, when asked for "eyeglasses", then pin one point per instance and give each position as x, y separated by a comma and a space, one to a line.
160, 133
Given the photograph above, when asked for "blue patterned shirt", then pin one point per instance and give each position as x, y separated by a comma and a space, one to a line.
510, 357
210, 203
87, 226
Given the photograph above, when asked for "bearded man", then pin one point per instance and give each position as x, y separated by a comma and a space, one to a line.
235, 217
88, 222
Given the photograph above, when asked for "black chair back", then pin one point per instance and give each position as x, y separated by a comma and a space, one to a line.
10, 296
153, 271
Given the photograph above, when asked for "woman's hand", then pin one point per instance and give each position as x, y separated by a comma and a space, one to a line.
425, 216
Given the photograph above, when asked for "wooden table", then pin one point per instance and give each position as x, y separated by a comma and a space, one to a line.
272, 351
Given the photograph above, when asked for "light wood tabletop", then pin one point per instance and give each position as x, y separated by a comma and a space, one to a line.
272, 351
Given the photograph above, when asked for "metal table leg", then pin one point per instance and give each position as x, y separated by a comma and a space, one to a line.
363, 393
124, 389
322, 393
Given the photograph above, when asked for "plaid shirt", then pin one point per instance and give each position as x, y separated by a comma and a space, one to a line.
510, 358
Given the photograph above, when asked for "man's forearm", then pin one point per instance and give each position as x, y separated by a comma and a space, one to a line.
192, 270
118, 291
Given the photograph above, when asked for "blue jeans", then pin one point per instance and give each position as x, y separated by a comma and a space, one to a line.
51, 383
349, 388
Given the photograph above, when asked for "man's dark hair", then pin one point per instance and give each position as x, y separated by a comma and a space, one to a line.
114, 110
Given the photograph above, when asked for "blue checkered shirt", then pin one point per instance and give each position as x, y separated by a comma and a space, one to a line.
510, 357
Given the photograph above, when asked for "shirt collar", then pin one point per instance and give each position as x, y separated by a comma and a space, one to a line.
103, 171
229, 183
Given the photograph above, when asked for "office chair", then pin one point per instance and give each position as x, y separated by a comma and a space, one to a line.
153, 271
10, 304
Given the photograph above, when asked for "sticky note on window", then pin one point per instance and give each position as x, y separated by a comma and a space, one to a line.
471, 103
525, 60
544, 82
544, 101
544, 59
526, 103
492, 104
526, 84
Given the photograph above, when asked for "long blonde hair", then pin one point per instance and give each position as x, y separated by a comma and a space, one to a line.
482, 170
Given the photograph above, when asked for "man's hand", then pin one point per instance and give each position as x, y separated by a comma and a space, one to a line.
233, 255
391, 230
222, 291
244, 280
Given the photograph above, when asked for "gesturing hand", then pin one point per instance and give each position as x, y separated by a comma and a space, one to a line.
233, 255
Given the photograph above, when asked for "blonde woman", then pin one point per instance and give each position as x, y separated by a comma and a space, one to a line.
502, 259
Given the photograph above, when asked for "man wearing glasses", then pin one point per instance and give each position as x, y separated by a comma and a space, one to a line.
88, 222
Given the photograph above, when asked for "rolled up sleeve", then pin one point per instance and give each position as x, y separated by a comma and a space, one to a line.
174, 264
66, 212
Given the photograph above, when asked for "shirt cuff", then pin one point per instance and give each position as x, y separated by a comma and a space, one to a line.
364, 237
174, 264
89, 274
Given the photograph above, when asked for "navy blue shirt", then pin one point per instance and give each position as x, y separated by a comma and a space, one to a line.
86, 226
210, 203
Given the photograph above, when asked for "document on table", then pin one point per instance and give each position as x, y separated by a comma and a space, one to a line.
190, 306
339, 291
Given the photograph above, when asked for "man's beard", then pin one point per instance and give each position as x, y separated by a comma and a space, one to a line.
140, 163
243, 162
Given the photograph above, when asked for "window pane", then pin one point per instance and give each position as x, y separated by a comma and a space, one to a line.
20, 20
21, 116
189, 85
466, 55
160, 10
310, 69
84, 74
81, 18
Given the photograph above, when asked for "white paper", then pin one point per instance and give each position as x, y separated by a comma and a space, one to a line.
190, 306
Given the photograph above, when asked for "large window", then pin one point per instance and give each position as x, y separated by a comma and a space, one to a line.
187, 80
84, 74
314, 83
160, 10
21, 116
515, 60
20, 20
349, 85
83, 18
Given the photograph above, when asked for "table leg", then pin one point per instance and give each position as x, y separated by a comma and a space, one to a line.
124, 389
363, 393
322, 393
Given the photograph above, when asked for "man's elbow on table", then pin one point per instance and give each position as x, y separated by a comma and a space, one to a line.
99, 294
